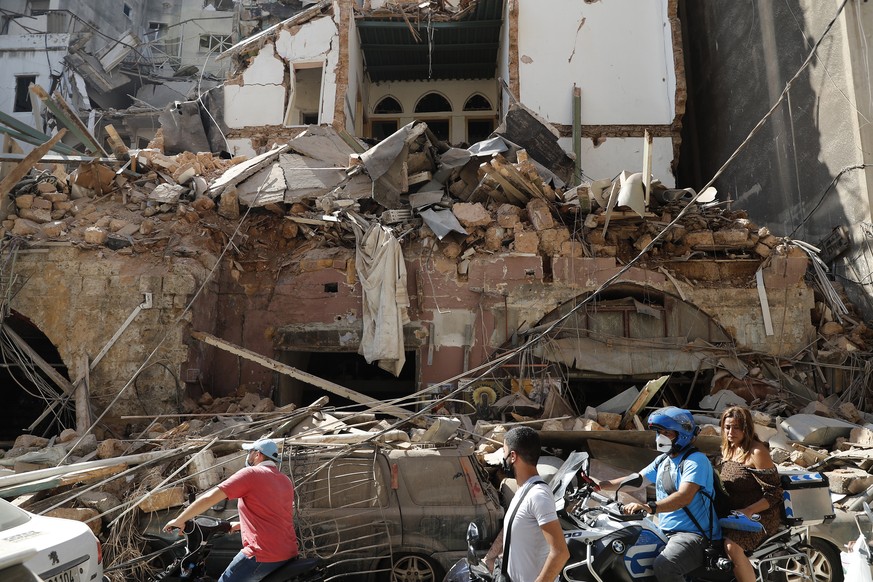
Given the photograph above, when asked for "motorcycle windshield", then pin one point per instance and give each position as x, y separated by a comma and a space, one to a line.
565, 475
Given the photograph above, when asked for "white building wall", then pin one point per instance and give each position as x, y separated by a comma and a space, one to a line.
31, 54
355, 90
616, 51
193, 23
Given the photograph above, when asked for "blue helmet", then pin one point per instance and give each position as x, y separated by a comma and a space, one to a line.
678, 420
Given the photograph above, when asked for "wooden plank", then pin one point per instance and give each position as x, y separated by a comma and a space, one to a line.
574, 439
84, 137
645, 396
116, 143
74, 122
376, 405
511, 191
30, 160
32, 135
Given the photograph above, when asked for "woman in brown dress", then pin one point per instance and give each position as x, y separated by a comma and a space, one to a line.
750, 479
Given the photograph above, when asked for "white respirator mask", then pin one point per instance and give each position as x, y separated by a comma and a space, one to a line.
663, 443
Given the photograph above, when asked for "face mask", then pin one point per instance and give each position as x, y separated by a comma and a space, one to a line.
663, 443
508, 469
249, 460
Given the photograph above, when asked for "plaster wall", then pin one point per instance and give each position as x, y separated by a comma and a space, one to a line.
260, 98
609, 157
30, 54
193, 22
355, 96
619, 53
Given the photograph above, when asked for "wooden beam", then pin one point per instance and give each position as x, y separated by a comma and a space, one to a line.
74, 124
645, 396
30, 160
376, 405
61, 480
116, 143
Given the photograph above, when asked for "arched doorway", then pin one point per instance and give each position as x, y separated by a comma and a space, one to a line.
33, 402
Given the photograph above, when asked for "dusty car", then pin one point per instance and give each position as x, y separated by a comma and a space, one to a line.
379, 513
59, 550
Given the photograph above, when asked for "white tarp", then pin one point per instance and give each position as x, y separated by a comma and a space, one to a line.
382, 271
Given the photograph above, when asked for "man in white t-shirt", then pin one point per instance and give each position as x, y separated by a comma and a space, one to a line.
537, 550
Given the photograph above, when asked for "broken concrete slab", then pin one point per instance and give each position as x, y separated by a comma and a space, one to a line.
243, 170
810, 429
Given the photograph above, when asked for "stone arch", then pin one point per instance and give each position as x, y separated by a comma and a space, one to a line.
433, 102
28, 391
629, 334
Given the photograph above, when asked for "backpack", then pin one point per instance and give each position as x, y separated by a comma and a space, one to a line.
720, 503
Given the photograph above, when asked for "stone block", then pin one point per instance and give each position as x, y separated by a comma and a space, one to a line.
30, 441
508, 215
95, 235
228, 204
129, 230
604, 250
817, 408
699, 237
586, 424
38, 215
608, 420
526, 242
551, 240
67, 435
46, 187
53, 229
540, 214
41, 204
24, 227
110, 448
86, 515
471, 215
147, 227
848, 411
203, 204
494, 238
249, 401
731, 237
849, 480
65, 206
164, 499
204, 474
24, 200
572, 248
861, 435
116, 224
56, 197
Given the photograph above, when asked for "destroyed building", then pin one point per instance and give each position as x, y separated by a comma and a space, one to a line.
420, 208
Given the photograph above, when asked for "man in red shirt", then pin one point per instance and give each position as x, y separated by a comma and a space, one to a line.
266, 512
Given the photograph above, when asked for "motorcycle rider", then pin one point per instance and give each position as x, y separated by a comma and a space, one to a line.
679, 499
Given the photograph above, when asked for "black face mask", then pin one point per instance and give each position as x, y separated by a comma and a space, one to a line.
508, 470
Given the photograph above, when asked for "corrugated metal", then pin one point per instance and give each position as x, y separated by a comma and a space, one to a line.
466, 49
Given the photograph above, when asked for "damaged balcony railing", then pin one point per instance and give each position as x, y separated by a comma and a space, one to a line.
342, 510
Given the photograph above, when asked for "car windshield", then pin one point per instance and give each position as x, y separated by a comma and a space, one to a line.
11, 516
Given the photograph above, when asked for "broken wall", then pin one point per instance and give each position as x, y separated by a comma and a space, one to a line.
29, 55
621, 55
320, 300
194, 24
801, 173
264, 94
80, 298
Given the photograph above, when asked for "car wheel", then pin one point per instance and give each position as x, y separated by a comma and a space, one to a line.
825, 562
414, 568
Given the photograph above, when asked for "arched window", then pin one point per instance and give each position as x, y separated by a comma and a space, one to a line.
477, 102
388, 105
433, 103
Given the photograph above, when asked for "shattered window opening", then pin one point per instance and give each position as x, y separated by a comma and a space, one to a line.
382, 128
128, 11
22, 92
214, 42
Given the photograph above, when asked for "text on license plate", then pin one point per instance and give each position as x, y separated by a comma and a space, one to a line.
71, 575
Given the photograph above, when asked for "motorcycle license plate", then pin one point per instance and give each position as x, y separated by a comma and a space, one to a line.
71, 575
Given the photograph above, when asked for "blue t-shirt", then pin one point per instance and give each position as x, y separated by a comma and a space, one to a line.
696, 469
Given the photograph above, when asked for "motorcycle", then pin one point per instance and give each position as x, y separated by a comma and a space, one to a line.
199, 535
607, 545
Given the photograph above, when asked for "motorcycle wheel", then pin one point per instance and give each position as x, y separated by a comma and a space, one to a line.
825, 561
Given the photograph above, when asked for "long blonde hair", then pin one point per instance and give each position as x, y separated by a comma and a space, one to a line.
742, 419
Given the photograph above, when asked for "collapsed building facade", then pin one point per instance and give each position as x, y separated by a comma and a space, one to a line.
494, 244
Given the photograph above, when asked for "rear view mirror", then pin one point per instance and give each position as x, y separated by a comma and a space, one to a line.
632, 480
472, 541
